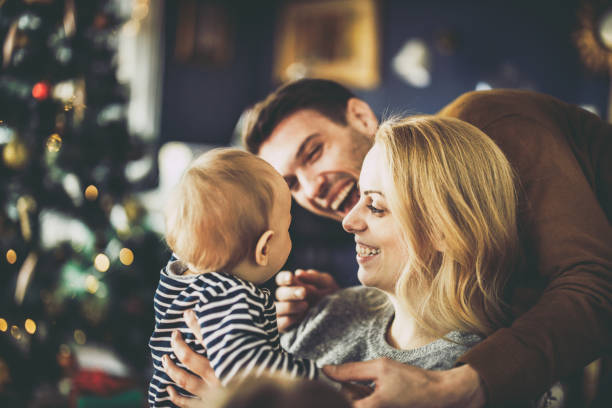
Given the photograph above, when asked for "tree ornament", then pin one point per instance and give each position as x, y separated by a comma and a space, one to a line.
41, 90
54, 143
15, 154
26, 205
25, 276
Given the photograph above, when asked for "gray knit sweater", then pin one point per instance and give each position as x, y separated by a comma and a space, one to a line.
351, 325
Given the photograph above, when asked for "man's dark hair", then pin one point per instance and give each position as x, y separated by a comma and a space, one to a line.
326, 97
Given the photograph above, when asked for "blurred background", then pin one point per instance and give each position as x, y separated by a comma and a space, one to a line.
104, 102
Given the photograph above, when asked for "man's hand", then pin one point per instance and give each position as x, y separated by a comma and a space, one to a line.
401, 385
199, 384
298, 292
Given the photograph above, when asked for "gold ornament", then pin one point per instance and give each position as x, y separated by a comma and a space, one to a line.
91, 192
54, 143
15, 332
11, 256
15, 154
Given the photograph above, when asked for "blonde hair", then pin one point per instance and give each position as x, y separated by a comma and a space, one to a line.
452, 190
219, 209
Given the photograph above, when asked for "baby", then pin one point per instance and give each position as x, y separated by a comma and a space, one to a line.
227, 223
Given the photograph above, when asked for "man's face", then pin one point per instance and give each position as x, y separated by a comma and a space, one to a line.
319, 159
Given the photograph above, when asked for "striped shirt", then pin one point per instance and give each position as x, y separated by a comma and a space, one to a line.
238, 324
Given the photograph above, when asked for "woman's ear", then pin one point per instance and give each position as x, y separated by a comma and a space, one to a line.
360, 116
262, 249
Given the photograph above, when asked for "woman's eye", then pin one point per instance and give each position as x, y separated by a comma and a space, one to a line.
375, 210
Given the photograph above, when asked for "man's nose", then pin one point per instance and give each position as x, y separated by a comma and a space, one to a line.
313, 185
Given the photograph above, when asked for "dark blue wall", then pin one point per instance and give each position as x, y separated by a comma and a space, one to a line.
533, 39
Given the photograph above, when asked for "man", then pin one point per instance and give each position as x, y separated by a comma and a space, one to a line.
316, 133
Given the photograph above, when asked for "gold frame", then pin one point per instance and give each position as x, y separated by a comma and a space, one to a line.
350, 56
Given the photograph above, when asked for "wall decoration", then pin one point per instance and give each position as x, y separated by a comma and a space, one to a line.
204, 33
413, 63
334, 39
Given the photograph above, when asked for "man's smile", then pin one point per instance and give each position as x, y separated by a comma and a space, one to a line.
341, 197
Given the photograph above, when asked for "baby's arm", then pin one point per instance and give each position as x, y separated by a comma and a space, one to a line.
240, 336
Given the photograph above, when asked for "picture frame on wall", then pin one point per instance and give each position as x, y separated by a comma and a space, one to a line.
333, 39
204, 34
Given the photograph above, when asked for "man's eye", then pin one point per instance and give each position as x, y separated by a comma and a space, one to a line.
314, 153
375, 210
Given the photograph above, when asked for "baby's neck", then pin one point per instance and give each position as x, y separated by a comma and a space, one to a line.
245, 270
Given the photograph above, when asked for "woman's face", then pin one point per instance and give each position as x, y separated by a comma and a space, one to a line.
380, 252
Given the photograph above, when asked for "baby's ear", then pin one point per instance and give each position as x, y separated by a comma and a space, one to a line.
262, 249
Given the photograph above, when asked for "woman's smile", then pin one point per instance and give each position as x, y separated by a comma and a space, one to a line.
366, 253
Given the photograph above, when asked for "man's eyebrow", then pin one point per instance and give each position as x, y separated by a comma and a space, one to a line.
305, 143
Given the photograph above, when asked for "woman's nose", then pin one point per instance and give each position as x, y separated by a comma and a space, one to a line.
353, 222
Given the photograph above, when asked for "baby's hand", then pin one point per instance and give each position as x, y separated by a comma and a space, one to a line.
297, 292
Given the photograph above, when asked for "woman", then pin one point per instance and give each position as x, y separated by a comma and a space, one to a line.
436, 239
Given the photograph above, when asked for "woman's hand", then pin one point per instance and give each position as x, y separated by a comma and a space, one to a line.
199, 384
402, 385
298, 292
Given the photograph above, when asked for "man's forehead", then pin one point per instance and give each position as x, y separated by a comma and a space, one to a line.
283, 144
279, 155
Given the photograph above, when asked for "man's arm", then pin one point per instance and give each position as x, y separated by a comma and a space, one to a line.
402, 385
568, 244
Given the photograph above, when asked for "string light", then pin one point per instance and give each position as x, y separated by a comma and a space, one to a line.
91, 192
101, 262
11, 256
126, 256
92, 284
30, 326
3, 325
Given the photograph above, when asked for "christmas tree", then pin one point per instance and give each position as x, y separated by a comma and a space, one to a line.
78, 259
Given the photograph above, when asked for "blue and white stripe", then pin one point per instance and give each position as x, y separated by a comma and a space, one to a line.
238, 323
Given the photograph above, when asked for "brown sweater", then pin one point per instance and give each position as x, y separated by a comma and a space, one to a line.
563, 298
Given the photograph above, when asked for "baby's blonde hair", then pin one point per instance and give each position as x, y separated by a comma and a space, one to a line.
276, 390
219, 209
452, 190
